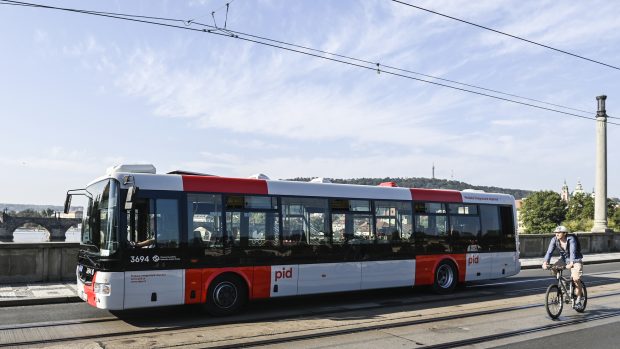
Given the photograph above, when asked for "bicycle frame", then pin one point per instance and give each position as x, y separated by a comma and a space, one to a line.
566, 284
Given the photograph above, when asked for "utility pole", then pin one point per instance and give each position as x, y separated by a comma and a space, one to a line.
600, 189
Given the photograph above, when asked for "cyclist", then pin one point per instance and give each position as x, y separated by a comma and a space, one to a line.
568, 246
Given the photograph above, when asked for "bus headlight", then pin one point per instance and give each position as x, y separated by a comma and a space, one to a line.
102, 288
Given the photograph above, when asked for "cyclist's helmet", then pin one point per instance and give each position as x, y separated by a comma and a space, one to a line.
561, 229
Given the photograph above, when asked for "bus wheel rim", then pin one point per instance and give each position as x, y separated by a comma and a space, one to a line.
445, 276
225, 294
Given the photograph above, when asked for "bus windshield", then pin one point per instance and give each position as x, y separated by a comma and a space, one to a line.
100, 225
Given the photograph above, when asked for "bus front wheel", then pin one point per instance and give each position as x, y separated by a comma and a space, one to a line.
445, 277
226, 295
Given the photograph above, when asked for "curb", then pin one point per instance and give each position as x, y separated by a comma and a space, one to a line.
39, 301
537, 266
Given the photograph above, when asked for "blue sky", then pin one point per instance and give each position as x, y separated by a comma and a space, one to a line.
80, 93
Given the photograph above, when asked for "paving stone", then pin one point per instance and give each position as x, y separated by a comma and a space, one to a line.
60, 292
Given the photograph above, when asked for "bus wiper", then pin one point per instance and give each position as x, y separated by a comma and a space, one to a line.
85, 255
90, 243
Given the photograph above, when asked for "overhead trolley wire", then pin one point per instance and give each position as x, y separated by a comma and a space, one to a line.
506, 34
278, 44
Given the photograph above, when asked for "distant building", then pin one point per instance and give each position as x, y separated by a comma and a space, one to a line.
520, 226
566, 195
72, 214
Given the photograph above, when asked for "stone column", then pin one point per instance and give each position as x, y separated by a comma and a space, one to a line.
57, 235
5, 236
600, 188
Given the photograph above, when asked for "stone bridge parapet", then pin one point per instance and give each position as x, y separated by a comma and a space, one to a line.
57, 227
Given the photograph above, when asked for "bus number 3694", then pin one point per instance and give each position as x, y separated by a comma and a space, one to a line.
139, 259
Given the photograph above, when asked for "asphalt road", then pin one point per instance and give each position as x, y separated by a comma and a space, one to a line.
383, 318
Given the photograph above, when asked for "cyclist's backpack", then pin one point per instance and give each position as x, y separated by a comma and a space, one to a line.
578, 245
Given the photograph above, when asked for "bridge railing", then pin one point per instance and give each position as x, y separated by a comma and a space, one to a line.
57, 227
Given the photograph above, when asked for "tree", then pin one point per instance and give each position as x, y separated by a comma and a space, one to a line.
28, 213
47, 212
542, 211
580, 206
613, 211
580, 213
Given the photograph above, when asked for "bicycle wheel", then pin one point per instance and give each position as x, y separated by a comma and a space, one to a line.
554, 301
584, 298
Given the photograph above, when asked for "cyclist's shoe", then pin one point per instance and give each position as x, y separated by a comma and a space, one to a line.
578, 305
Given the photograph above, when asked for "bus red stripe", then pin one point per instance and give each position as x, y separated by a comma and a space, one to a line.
193, 282
262, 283
436, 195
214, 184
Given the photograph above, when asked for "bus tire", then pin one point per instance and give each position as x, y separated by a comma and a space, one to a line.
227, 294
446, 277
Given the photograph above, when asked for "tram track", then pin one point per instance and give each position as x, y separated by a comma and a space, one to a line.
380, 324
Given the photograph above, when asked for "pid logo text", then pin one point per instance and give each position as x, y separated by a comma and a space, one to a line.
473, 260
284, 274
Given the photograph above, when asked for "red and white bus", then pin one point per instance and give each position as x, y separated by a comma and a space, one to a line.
165, 239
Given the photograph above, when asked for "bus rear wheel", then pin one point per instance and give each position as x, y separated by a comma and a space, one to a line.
445, 278
226, 295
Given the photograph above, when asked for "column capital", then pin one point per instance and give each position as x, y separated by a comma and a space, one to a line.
601, 112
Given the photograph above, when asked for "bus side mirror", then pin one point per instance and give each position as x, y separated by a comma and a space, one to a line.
131, 193
68, 203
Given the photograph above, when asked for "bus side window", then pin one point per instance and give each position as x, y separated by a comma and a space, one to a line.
491, 229
352, 222
140, 231
167, 230
205, 220
431, 232
508, 242
303, 221
393, 221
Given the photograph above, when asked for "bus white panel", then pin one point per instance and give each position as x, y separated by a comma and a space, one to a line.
168, 286
337, 190
332, 277
484, 198
284, 280
114, 300
478, 266
156, 182
380, 274
505, 264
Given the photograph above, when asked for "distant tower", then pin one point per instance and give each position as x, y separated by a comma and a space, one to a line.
433, 170
565, 194
578, 188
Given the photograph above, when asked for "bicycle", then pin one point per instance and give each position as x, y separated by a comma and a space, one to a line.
556, 294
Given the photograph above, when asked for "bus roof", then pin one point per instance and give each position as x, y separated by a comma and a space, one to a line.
252, 186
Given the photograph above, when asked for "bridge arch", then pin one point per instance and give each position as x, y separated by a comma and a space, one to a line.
57, 227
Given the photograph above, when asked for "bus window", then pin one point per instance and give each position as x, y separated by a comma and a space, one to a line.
167, 223
154, 223
393, 220
489, 216
303, 221
464, 227
508, 242
431, 227
351, 221
205, 220
252, 220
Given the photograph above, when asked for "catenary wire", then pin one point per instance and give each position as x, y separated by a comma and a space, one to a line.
218, 31
506, 34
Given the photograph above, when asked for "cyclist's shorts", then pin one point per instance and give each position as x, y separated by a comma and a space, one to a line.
577, 270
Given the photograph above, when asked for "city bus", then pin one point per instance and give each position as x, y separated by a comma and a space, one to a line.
153, 239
